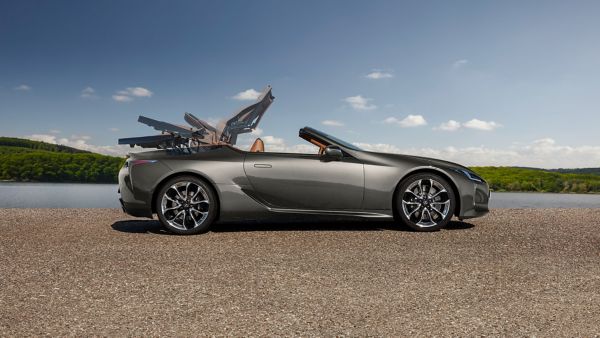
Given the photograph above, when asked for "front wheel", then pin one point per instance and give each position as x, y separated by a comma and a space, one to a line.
425, 202
186, 205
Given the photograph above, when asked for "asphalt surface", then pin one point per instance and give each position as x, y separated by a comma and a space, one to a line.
99, 272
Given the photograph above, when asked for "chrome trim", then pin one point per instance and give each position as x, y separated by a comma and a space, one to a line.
365, 214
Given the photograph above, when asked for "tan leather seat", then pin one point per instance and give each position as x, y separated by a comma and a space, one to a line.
258, 146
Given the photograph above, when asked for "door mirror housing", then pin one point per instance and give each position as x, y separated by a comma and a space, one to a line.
332, 153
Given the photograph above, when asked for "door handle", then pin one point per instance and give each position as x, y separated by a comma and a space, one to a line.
262, 165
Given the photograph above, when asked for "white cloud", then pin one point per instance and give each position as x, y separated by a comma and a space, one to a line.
139, 92
122, 98
481, 125
256, 132
332, 123
42, 137
273, 141
88, 93
460, 63
544, 142
451, 125
304, 148
247, 95
130, 93
376, 75
54, 131
360, 103
407, 122
23, 87
81, 137
542, 153
114, 130
379, 147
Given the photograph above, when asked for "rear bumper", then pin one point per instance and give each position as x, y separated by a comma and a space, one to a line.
134, 209
127, 199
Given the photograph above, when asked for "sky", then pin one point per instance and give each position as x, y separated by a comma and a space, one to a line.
476, 82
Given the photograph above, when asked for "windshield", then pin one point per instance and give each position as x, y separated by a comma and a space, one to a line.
338, 141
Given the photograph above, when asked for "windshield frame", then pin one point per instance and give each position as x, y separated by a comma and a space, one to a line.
331, 139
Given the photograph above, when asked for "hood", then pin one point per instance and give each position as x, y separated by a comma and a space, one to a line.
416, 160
442, 163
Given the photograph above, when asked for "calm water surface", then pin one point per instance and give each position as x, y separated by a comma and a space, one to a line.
58, 195
76, 195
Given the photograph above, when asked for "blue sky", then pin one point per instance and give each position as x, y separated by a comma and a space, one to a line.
480, 82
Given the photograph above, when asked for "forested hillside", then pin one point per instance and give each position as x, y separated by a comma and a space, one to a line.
594, 171
26, 160
37, 145
539, 180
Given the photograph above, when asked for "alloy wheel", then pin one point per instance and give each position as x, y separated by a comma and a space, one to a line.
426, 203
185, 205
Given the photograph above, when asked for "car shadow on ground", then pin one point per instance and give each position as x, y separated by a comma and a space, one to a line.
154, 227
140, 227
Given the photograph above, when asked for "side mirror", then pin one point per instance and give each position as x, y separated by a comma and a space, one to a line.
332, 153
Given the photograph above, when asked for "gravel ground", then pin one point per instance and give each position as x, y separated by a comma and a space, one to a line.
97, 271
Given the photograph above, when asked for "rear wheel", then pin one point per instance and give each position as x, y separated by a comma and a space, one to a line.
425, 202
186, 205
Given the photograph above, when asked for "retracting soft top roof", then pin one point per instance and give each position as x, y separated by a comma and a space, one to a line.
201, 132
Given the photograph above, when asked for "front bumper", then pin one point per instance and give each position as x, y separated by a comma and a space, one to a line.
475, 201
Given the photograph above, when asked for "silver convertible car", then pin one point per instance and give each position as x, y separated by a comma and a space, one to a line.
191, 187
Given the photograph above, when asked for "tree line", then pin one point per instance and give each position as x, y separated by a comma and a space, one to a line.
538, 180
59, 167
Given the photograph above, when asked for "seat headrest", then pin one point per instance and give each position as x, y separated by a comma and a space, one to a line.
258, 146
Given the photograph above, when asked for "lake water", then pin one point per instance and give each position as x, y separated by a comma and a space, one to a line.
58, 195
76, 195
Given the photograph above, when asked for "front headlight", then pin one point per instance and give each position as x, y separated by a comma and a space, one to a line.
470, 175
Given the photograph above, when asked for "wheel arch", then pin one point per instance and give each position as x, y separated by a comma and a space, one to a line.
431, 170
199, 176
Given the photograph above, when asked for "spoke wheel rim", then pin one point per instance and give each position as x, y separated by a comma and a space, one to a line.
426, 203
185, 205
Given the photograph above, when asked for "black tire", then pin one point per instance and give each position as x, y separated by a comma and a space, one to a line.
200, 198
417, 209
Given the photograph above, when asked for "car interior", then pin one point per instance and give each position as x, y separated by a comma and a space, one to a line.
259, 146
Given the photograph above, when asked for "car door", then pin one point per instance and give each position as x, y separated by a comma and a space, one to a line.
303, 181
